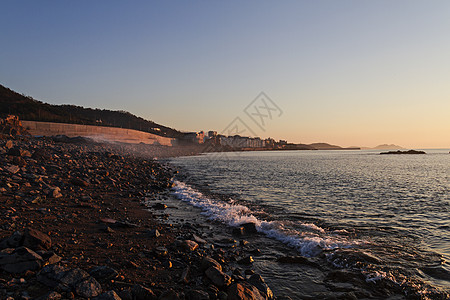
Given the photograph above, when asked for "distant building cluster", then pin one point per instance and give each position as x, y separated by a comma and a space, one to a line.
235, 141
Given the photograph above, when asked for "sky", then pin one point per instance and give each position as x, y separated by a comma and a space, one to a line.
351, 73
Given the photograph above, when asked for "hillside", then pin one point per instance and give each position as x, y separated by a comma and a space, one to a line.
30, 109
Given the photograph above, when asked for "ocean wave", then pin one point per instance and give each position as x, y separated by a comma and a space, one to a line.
309, 239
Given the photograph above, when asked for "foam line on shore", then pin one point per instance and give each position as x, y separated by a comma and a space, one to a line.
310, 241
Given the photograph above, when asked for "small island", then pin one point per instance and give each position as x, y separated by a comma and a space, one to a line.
404, 152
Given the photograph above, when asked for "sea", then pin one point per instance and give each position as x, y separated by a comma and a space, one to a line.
349, 224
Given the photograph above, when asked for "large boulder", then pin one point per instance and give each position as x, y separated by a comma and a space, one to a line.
218, 277
244, 291
20, 260
36, 240
257, 281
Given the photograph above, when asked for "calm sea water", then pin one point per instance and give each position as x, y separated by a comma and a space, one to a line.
385, 216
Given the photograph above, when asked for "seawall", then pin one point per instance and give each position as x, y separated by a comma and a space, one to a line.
112, 134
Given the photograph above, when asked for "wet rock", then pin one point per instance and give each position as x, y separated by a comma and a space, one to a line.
159, 206
208, 262
239, 231
197, 295
103, 273
244, 291
161, 251
249, 228
109, 295
218, 277
20, 260
36, 240
51, 296
153, 233
188, 245
257, 281
198, 239
246, 260
142, 293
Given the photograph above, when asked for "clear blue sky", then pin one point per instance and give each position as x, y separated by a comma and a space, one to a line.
344, 72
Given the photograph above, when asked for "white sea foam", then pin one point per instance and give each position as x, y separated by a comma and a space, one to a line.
310, 240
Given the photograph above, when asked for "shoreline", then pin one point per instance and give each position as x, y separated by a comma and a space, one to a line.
82, 207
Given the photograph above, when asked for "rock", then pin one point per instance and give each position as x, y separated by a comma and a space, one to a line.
208, 262
159, 206
36, 240
404, 152
161, 251
153, 233
76, 280
169, 295
55, 193
20, 260
49, 257
103, 273
239, 231
184, 278
79, 182
250, 228
246, 260
142, 293
51, 296
198, 239
197, 295
218, 277
16, 151
88, 288
257, 281
109, 295
189, 245
13, 169
244, 291
13, 241
9, 144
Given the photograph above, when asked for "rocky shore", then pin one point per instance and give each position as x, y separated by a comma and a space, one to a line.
77, 221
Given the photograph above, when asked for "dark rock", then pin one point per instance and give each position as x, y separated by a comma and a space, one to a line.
208, 262
218, 277
295, 260
36, 240
88, 288
198, 239
246, 260
142, 293
169, 295
188, 245
9, 144
16, 151
250, 228
197, 295
257, 281
244, 291
159, 206
13, 241
79, 182
109, 295
13, 169
184, 278
49, 257
404, 152
153, 233
20, 260
50, 296
103, 273
239, 231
